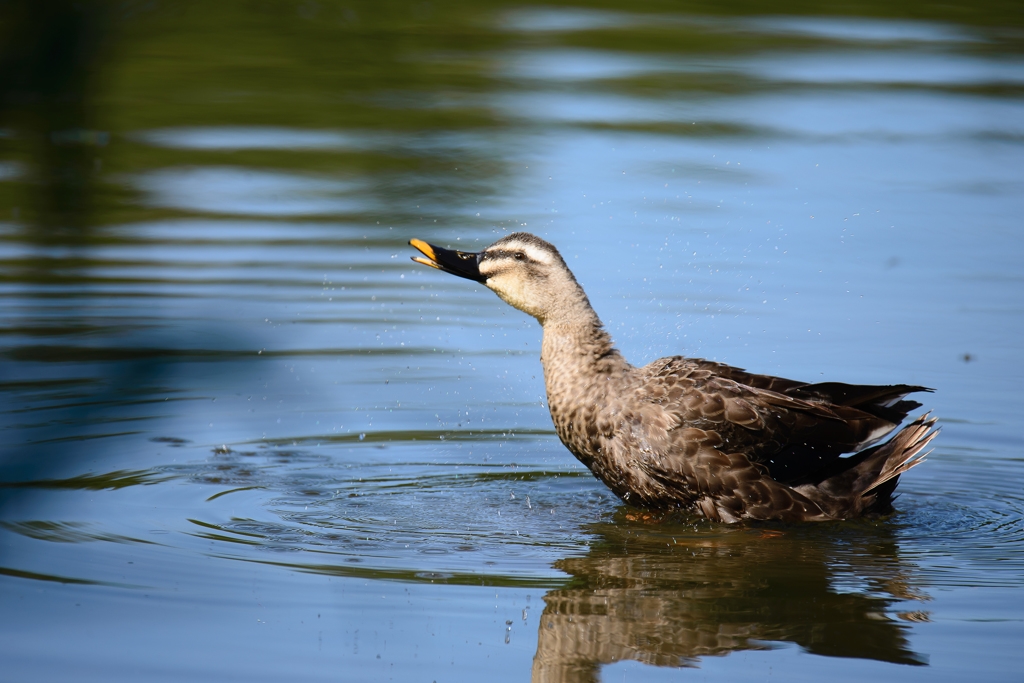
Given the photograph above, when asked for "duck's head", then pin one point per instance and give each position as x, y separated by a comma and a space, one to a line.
524, 270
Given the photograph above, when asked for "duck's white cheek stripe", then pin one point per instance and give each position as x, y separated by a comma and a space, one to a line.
538, 255
531, 251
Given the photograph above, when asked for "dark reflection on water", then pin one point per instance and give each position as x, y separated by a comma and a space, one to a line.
668, 600
50, 58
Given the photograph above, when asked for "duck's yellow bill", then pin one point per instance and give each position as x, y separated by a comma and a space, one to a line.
461, 263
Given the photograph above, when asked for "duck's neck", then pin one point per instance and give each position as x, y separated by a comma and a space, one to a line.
581, 367
584, 350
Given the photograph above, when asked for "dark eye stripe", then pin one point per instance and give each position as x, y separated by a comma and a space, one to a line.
506, 253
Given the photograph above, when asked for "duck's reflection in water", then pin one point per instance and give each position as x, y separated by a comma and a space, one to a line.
643, 594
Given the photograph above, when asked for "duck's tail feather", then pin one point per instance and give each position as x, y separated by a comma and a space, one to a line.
867, 484
904, 451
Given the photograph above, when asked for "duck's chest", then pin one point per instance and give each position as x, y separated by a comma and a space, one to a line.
612, 436
587, 413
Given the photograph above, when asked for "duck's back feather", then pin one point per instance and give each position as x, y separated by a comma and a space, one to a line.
768, 438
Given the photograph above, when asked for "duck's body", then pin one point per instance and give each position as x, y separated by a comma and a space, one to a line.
689, 433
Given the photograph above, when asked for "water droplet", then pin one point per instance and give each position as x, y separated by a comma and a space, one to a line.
362, 436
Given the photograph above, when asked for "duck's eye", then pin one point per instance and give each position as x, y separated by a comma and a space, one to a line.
519, 256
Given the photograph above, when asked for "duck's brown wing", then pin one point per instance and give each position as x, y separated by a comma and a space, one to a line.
884, 401
790, 430
694, 468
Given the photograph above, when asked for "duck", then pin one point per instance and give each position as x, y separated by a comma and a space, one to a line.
692, 434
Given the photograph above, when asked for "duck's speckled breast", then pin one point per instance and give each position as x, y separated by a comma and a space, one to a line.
595, 402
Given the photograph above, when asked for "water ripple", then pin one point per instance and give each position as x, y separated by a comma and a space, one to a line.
452, 520
953, 533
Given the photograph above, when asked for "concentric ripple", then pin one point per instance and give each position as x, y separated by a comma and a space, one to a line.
344, 511
419, 519
968, 520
